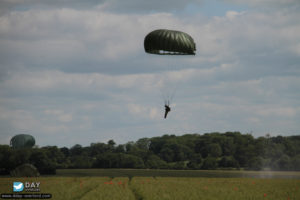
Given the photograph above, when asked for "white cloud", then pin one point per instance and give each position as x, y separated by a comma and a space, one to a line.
272, 3
89, 41
54, 112
19, 119
284, 111
60, 115
232, 14
112, 5
146, 112
136, 109
154, 113
65, 118
76, 40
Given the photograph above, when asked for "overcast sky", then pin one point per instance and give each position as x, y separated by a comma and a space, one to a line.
75, 72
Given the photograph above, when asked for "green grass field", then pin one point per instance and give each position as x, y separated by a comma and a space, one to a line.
164, 186
176, 173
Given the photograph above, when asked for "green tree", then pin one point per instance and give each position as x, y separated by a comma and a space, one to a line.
179, 165
228, 162
284, 163
141, 153
210, 163
255, 163
129, 145
107, 160
155, 162
6, 164
228, 146
81, 162
76, 150
99, 148
40, 160
143, 143
295, 161
214, 150
111, 143
20, 156
167, 154
120, 148
195, 161
56, 156
65, 151
131, 161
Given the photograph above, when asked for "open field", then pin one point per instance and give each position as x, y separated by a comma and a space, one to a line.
162, 187
176, 173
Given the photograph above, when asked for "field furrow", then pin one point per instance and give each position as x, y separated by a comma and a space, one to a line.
162, 188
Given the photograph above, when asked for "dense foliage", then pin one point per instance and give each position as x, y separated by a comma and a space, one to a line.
230, 150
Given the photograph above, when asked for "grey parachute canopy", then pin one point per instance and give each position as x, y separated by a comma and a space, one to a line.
169, 42
22, 141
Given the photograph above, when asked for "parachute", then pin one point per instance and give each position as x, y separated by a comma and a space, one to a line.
169, 42
22, 141
25, 170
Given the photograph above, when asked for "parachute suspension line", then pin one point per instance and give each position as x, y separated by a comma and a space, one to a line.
167, 81
172, 94
168, 87
171, 85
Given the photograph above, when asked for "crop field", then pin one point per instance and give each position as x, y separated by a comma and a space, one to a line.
162, 187
176, 173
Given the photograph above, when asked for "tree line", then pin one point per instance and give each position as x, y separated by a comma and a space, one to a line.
230, 150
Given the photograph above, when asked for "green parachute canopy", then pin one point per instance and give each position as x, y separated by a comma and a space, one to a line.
22, 141
169, 42
25, 170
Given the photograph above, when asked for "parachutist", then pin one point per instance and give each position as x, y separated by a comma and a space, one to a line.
169, 42
167, 109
